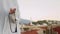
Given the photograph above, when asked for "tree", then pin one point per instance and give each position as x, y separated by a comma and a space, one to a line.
34, 23
40, 22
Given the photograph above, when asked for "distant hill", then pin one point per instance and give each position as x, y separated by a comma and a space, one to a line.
24, 21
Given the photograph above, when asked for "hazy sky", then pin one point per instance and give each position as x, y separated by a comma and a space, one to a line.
40, 9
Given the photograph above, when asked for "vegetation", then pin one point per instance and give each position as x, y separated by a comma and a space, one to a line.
40, 22
48, 22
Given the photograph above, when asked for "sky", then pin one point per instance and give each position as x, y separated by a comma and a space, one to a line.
39, 9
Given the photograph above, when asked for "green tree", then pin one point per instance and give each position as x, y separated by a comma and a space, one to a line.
40, 22
34, 23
